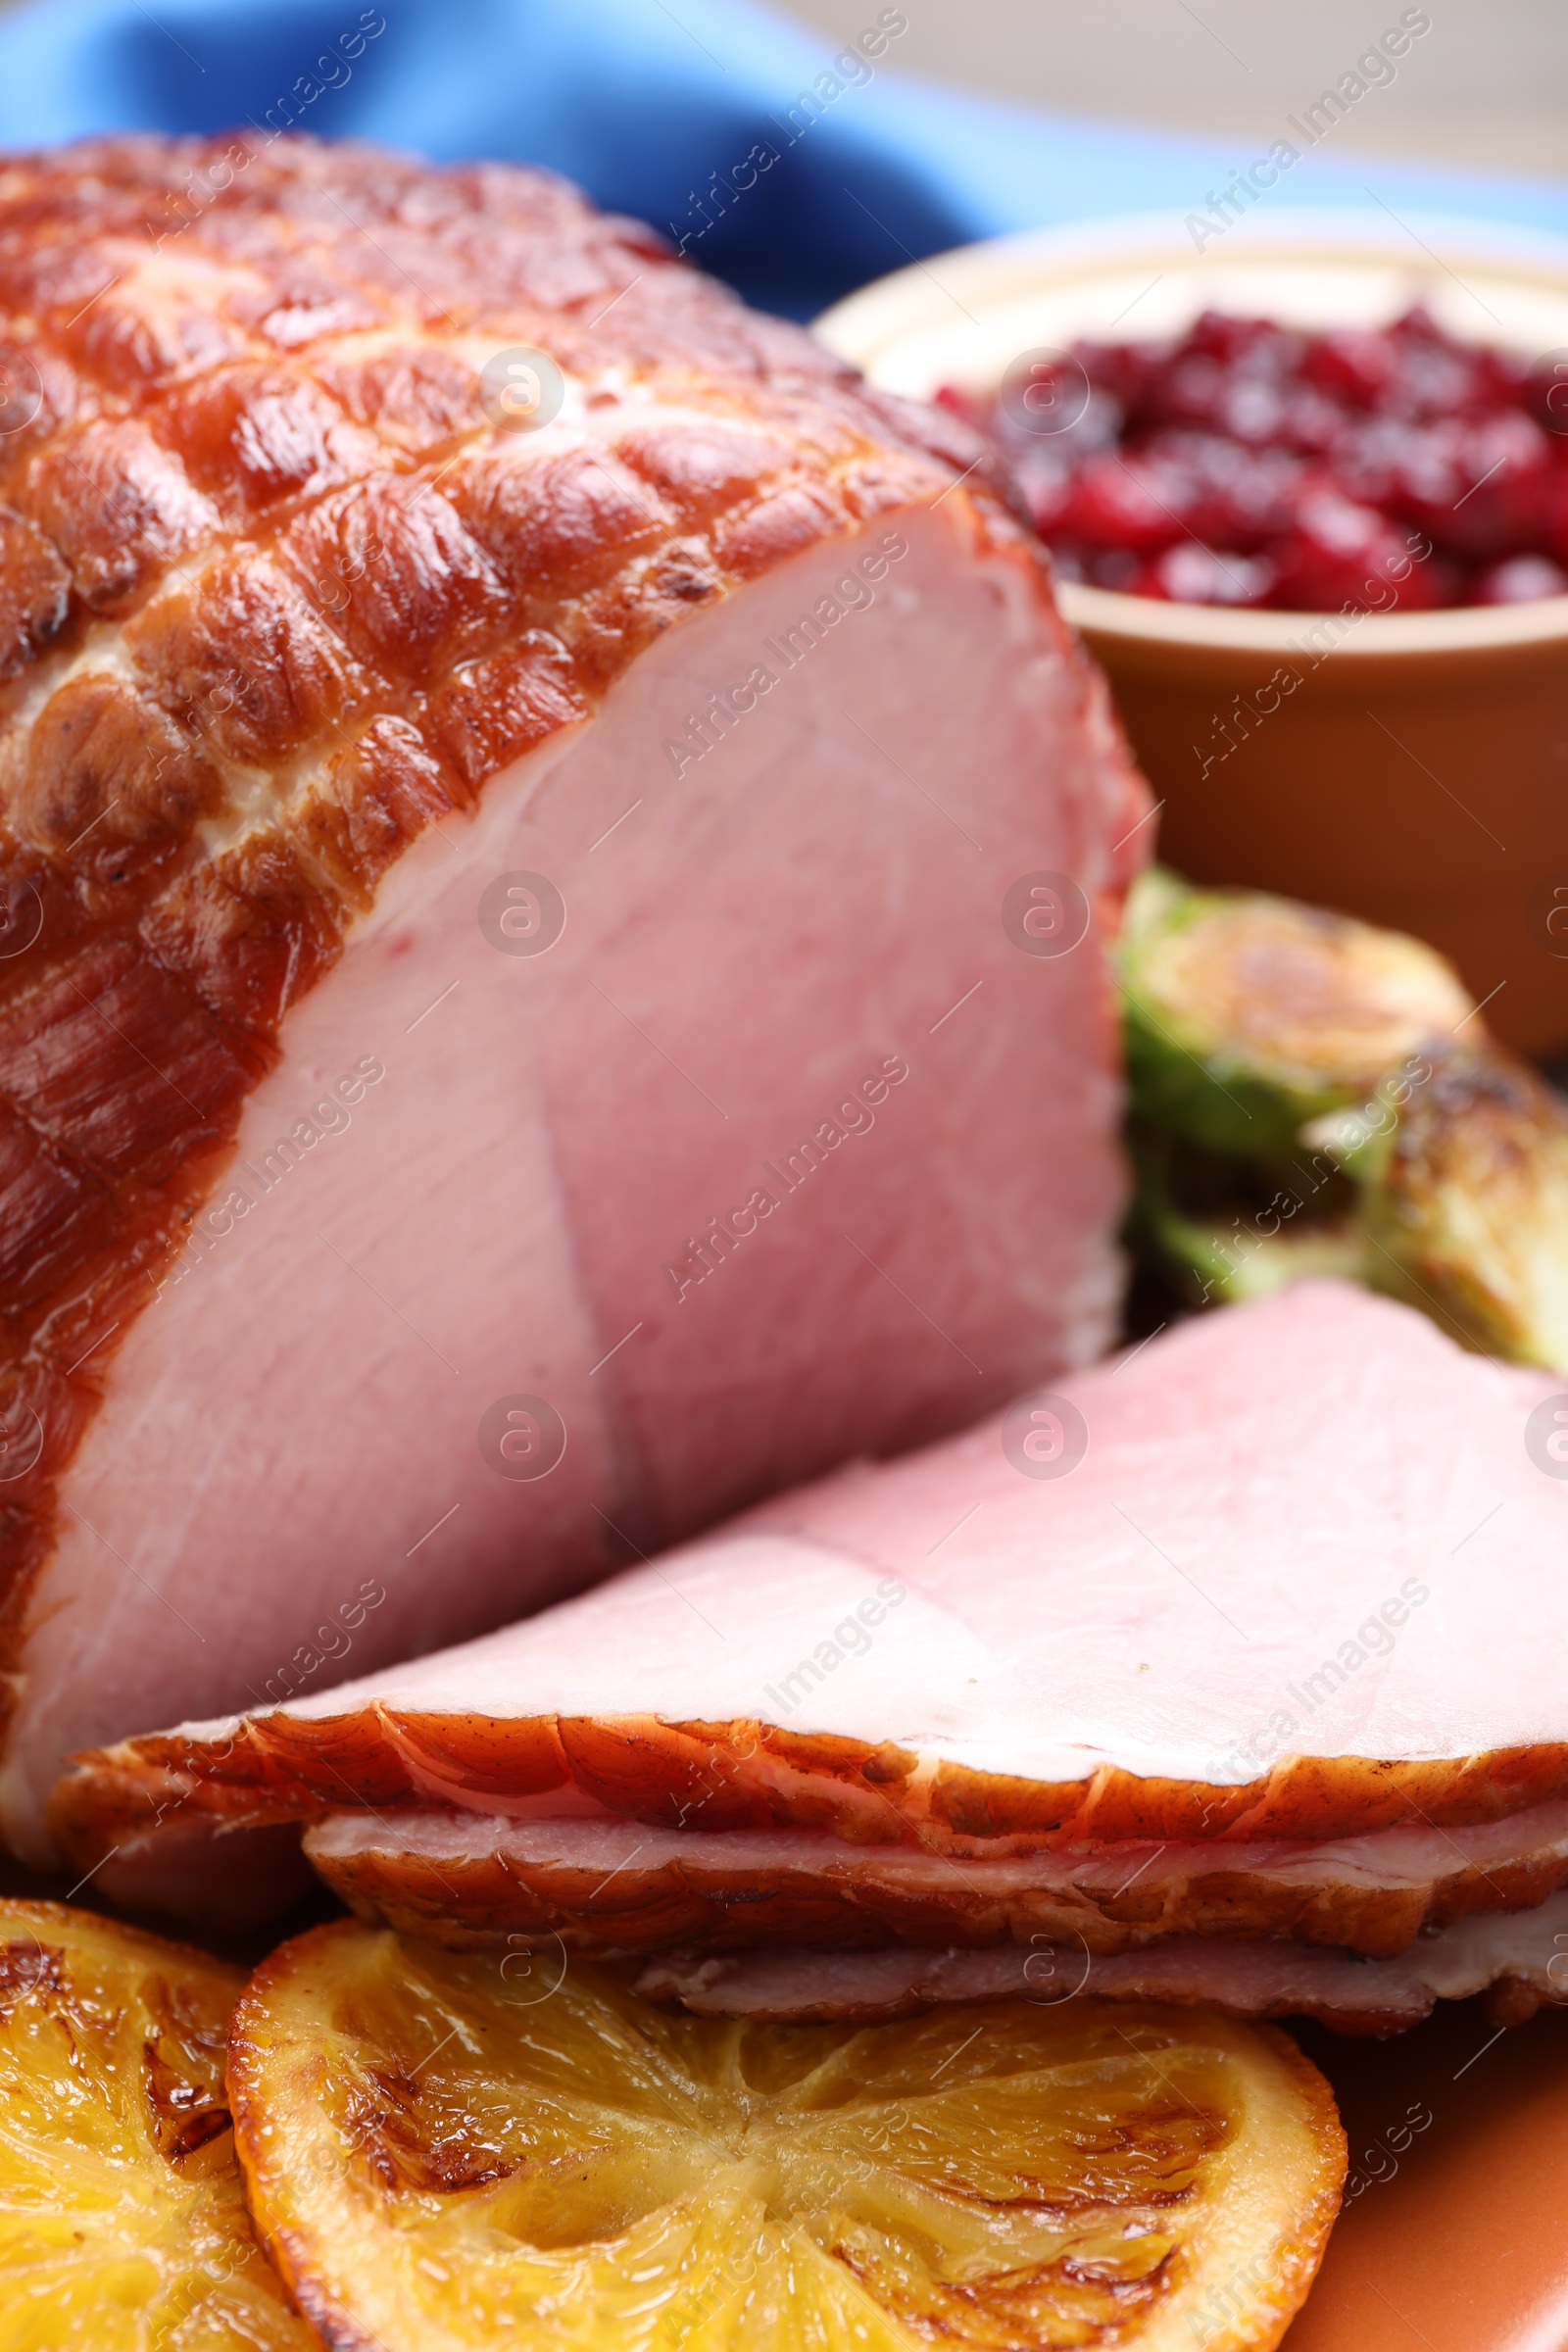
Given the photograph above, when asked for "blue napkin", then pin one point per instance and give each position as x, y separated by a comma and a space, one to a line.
794, 175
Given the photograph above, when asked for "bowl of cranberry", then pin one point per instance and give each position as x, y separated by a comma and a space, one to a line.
1304, 482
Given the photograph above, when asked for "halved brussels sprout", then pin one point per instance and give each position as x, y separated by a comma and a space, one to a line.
1248, 1015
1314, 1095
1464, 1203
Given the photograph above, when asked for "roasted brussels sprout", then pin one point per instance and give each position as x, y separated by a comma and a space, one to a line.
1464, 1201
1246, 1015
1314, 1095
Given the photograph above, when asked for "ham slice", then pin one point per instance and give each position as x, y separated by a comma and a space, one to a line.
1520, 1958
628, 1886
514, 1037
1263, 1663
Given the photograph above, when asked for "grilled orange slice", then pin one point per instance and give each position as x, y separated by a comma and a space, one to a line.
445, 2153
122, 2222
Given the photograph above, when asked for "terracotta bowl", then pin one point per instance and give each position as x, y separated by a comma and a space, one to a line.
1411, 767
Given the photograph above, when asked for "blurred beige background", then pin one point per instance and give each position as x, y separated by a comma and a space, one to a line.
1488, 86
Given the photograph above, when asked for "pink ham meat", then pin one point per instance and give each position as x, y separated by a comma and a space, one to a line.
611, 1884
1260, 1664
1519, 1959
514, 1037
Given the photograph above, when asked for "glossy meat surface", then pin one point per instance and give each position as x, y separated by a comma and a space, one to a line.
304, 1170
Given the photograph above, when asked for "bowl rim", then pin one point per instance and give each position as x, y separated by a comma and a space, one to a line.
1106, 612
995, 271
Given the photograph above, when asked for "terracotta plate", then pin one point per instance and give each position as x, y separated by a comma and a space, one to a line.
1454, 2231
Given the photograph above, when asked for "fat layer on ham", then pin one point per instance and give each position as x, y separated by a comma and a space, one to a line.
1265, 1659
518, 1033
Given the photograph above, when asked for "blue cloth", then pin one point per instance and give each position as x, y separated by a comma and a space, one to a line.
642, 104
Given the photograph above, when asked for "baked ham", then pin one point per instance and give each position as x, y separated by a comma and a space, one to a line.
608, 1884
514, 1037
1244, 1658
1518, 1959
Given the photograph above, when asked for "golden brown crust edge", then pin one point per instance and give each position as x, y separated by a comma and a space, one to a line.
253, 2125
749, 1774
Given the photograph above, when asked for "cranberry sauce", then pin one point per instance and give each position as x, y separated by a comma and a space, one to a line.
1252, 463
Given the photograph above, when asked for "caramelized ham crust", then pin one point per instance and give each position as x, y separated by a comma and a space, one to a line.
1295, 1592
501, 930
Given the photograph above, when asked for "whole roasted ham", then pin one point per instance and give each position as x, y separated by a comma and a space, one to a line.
1228, 1670
554, 854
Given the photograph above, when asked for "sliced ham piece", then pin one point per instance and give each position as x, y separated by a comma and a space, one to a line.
535, 1007
1521, 1958
1284, 1618
626, 1885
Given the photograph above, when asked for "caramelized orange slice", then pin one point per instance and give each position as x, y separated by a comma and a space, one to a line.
445, 2152
122, 2222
